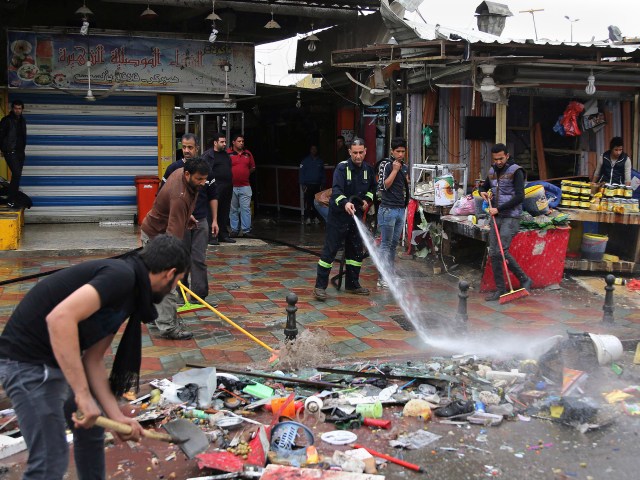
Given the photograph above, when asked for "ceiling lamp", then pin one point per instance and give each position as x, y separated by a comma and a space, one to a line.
84, 10
148, 14
272, 23
213, 16
313, 40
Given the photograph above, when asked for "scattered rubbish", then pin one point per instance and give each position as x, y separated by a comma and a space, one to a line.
483, 418
608, 348
415, 440
391, 459
417, 408
279, 472
369, 410
339, 437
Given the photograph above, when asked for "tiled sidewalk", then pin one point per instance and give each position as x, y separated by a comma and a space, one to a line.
251, 284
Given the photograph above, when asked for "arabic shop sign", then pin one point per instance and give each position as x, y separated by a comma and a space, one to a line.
50, 61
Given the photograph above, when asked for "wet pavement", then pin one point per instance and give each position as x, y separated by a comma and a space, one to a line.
251, 279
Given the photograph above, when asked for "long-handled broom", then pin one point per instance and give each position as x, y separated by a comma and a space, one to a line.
512, 294
274, 352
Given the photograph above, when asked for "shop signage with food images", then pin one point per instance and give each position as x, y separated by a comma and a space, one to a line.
54, 61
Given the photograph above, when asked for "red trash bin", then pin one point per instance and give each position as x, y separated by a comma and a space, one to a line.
146, 191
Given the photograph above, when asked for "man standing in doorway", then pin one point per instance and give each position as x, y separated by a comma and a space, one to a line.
353, 189
220, 165
342, 152
53, 346
393, 184
197, 238
311, 180
13, 142
172, 213
242, 166
506, 182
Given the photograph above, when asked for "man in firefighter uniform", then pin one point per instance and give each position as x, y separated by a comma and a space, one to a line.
354, 186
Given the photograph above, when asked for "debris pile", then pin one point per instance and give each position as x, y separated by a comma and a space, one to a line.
338, 418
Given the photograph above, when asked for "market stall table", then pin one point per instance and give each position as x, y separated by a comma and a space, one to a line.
624, 239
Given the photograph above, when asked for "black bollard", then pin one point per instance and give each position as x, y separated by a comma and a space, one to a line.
607, 317
291, 328
461, 315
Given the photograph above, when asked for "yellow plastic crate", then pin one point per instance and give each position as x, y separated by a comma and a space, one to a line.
10, 230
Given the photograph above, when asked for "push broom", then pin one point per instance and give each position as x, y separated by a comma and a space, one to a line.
274, 353
512, 294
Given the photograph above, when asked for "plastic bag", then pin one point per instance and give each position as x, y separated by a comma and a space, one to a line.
464, 206
570, 119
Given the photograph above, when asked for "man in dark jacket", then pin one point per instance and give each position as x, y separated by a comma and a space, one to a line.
354, 185
506, 182
220, 164
13, 141
311, 180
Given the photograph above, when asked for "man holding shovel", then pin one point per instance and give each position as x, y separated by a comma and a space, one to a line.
52, 353
506, 182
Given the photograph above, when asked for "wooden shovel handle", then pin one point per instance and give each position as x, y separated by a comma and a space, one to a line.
126, 429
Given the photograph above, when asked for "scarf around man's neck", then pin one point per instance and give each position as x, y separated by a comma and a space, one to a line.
125, 373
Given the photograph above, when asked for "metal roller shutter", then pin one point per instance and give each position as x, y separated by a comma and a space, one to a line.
82, 156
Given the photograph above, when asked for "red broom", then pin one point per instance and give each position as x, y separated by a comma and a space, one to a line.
512, 294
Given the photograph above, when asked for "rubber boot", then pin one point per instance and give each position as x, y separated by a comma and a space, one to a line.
498, 275
525, 281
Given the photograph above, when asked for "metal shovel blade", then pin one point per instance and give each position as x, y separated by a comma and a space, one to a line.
191, 439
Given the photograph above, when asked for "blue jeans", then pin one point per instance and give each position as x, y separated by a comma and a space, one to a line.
43, 402
241, 210
390, 222
321, 209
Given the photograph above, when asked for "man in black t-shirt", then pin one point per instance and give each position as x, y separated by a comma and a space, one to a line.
52, 353
393, 185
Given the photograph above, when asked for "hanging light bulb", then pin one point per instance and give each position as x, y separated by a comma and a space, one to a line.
84, 29
591, 84
85, 12
89, 96
214, 33
298, 100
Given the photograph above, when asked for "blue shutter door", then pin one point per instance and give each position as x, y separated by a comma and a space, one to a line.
82, 157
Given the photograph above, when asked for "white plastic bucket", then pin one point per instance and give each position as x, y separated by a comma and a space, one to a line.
608, 348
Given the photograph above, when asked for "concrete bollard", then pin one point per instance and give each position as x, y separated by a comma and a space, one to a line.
461, 315
291, 328
607, 308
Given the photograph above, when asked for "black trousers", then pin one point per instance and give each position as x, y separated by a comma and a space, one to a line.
309, 195
15, 162
225, 192
339, 231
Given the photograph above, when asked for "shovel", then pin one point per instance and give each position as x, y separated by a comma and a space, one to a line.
190, 438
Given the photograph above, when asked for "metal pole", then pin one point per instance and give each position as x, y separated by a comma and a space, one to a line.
607, 308
291, 328
461, 315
